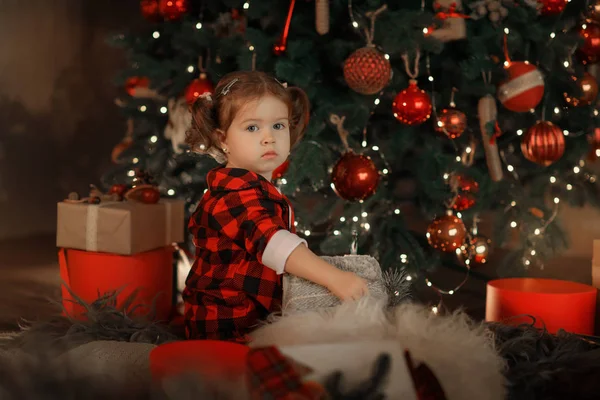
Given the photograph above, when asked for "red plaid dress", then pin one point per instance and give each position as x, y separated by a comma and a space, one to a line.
228, 289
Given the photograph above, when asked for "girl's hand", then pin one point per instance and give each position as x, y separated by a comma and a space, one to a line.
347, 285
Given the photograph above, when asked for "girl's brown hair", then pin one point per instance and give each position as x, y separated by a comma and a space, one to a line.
211, 117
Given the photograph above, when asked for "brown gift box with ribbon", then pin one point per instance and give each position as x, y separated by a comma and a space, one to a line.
120, 227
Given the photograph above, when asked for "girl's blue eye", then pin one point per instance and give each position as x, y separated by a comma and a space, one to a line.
279, 126
252, 128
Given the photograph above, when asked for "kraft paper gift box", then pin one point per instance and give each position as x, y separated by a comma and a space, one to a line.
120, 227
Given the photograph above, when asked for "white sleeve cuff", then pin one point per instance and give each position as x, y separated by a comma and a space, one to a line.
279, 248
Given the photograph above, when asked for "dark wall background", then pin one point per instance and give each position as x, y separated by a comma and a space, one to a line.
58, 120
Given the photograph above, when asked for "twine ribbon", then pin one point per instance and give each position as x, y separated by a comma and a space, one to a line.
412, 74
342, 132
372, 15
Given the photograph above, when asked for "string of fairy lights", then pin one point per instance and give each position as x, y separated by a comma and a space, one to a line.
360, 221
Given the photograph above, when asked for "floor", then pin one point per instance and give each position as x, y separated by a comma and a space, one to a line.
30, 284
29, 280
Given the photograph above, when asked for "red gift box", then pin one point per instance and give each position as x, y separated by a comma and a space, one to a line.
90, 275
555, 304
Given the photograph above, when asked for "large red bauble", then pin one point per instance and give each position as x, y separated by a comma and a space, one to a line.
354, 177
281, 170
544, 143
367, 71
524, 88
552, 7
467, 189
134, 82
589, 52
173, 9
197, 88
446, 233
150, 10
412, 106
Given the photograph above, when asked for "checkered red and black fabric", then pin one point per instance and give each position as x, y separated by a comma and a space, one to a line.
228, 289
271, 375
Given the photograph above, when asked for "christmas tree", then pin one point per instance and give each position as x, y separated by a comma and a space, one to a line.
465, 110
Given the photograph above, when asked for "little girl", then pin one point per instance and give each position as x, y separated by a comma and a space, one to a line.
243, 226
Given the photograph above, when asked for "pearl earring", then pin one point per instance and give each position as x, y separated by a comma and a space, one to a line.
225, 150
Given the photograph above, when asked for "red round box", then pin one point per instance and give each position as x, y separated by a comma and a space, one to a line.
212, 358
90, 275
555, 304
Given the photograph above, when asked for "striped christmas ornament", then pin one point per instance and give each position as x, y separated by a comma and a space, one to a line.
543, 144
524, 88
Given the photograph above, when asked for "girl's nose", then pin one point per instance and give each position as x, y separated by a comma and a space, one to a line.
268, 138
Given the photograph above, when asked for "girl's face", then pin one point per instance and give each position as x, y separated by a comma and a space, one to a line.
259, 136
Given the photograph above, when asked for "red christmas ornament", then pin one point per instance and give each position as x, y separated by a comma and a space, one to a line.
134, 82
552, 7
149, 196
146, 194
593, 11
354, 177
594, 140
197, 88
367, 71
412, 106
477, 250
480, 248
281, 170
588, 88
589, 52
524, 88
172, 10
446, 233
118, 189
451, 122
466, 188
150, 10
544, 143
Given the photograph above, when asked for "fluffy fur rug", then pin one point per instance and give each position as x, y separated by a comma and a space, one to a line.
69, 359
460, 352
